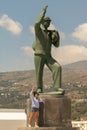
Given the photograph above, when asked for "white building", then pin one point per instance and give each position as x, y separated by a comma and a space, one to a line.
11, 119
81, 124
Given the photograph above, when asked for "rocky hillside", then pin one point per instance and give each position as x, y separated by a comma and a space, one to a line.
15, 86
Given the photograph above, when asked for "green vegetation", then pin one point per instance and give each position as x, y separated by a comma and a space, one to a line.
15, 87
79, 110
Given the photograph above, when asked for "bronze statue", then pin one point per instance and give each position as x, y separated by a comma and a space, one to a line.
42, 45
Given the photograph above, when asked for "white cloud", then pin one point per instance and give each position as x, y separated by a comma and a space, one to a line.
62, 35
27, 50
10, 25
31, 28
70, 53
29, 57
64, 54
52, 27
81, 32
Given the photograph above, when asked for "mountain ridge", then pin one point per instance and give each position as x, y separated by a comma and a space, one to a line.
16, 86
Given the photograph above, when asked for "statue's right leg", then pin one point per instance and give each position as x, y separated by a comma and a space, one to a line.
39, 65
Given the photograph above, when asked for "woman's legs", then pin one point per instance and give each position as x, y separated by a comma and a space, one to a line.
36, 118
32, 114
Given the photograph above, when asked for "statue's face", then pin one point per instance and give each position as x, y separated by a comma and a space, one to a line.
46, 24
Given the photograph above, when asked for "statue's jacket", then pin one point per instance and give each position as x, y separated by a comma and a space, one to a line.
43, 42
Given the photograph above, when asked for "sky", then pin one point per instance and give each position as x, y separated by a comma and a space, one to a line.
17, 18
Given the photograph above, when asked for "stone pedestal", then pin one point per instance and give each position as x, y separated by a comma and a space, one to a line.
55, 110
48, 128
55, 113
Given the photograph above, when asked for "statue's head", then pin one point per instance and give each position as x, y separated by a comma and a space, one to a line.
46, 22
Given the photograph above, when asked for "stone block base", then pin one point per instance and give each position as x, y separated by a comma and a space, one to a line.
48, 128
55, 111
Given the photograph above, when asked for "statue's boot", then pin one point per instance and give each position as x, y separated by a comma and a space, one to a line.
60, 91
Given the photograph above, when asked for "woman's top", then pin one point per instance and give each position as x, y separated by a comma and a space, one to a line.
35, 101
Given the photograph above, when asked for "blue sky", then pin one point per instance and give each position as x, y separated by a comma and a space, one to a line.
17, 18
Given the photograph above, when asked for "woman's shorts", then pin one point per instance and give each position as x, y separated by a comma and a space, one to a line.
34, 109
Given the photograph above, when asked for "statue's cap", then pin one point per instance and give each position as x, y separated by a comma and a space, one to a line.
47, 18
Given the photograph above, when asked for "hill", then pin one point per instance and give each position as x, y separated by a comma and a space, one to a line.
15, 86
78, 66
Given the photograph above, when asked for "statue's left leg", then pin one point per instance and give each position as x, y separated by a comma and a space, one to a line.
56, 69
39, 65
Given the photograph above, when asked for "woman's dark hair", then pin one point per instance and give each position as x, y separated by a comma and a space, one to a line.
35, 92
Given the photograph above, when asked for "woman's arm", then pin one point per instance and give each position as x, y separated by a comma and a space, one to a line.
31, 93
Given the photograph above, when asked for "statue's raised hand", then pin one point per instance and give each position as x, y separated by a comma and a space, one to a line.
45, 7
